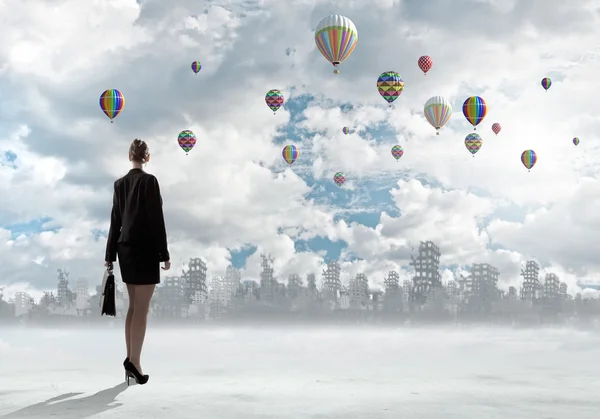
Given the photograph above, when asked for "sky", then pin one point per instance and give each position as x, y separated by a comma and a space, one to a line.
233, 197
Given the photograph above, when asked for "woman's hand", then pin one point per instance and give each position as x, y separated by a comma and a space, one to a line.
167, 266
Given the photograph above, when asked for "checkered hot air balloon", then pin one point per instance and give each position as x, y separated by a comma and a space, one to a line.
474, 109
397, 152
274, 99
425, 63
112, 102
339, 178
186, 140
290, 154
196, 67
473, 142
496, 128
546, 83
529, 159
438, 112
390, 86
336, 37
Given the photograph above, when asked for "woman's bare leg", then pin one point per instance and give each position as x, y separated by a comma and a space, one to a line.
143, 295
131, 292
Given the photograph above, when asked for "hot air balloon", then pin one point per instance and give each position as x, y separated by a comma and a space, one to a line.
425, 63
196, 67
576, 140
473, 143
339, 178
390, 86
336, 37
529, 159
186, 140
437, 112
474, 110
546, 83
397, 152
496, 128
111, 103
346, 130
290, 154
274, 99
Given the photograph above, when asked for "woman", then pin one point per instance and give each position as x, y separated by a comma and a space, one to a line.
138, 236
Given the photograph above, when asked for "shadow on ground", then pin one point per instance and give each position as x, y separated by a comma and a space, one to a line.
78, 408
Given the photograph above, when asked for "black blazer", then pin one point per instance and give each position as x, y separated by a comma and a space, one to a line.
137, 216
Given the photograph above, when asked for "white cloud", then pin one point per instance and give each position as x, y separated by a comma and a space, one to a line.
233, 189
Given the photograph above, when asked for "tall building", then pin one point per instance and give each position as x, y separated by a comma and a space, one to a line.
171, 301
233, 279
427, 271
531, 283
23, 304
563, 291
551, 286
358, 291
194, 280
294, 286
392, 283
332, 283
482, 286
220, 298
62, 290
267, 279
82, 297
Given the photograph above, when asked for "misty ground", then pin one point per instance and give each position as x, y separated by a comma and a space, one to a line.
310, 372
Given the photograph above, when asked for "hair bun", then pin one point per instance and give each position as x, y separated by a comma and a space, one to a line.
139, 151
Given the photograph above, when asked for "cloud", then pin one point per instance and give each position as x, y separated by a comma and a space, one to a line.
234, 190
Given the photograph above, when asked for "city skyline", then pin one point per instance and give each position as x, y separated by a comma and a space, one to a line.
195, 294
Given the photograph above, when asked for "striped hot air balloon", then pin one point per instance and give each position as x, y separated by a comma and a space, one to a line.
546, 83
346, 130
196, 67
438, 112
529, 159
336, 37
112, 102
474, 110
290, 154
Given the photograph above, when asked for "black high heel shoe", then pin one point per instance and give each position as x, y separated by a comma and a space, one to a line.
126, 361
132, 372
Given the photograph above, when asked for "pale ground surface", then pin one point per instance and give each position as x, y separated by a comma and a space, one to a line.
272, 373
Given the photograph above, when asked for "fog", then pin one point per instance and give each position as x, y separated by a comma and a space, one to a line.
274, 372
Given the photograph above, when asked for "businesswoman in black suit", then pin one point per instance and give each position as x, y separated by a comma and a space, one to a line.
138, 236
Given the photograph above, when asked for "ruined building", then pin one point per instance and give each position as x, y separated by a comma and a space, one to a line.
358, 291
194, 281
267, 280
427, 276
551, 286
63, 294
563, 291
171, 301
294, 286
530, 289
482, 287
332, 283
392, 300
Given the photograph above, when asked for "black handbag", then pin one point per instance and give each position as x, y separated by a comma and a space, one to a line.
107, 300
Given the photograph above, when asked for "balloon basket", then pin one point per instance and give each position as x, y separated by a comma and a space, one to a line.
336, 71
112, 122
437, 133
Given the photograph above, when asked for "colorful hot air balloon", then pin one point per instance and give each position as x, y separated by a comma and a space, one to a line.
474, 110
529, 159
546, 83
186, 140
196, 67
397, 152
496, 128
438, 112
346, 130
336, 37
473, 143
576, 140
339, 178
111, 103
390, 86
425, 63
274, 99
290, 154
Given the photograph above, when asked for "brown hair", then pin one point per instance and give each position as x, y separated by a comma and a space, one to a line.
139, 151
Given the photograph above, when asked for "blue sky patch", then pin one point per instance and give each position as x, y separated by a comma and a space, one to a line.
35, 226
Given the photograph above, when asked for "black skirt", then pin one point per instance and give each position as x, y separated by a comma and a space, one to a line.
139, 265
